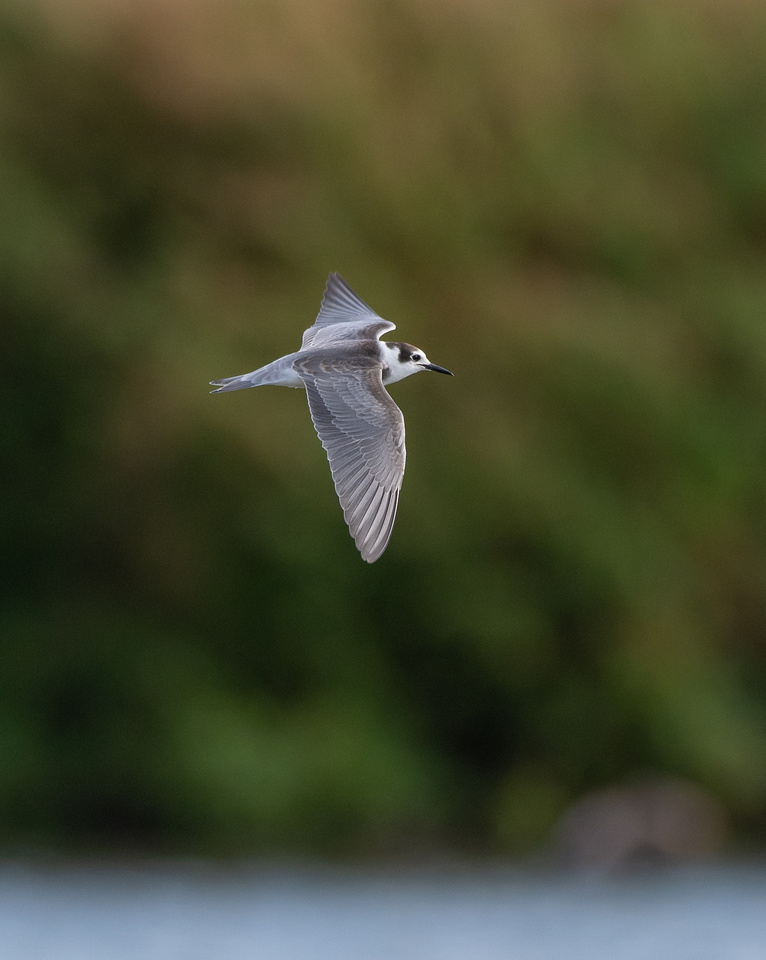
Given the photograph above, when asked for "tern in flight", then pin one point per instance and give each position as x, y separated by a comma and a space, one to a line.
345, 367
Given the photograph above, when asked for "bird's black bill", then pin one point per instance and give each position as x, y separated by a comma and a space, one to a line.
432, 366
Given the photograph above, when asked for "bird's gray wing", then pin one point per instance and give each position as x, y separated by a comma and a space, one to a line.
362, 430
344, 316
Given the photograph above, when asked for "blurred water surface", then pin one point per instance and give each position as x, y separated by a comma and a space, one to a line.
197, 912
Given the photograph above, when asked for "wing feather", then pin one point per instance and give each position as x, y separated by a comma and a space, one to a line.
344, 316
362, 430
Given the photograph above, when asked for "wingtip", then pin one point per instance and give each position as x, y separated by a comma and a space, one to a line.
334, 279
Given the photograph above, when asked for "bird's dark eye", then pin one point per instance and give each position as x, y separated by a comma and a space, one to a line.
416, 357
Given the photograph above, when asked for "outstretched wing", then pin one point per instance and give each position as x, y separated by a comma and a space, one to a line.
362, 430
344, 316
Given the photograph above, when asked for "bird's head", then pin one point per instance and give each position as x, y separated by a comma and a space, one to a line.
404, 359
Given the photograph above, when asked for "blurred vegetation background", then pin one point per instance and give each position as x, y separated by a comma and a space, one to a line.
563, 203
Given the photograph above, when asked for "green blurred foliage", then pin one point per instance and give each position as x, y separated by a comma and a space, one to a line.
566, 205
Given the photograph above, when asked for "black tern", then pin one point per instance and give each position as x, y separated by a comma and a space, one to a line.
343, 365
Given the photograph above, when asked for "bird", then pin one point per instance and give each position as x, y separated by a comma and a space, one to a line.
345, 367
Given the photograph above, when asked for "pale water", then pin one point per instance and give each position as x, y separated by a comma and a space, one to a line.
202, 912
